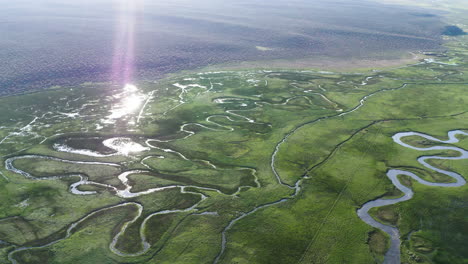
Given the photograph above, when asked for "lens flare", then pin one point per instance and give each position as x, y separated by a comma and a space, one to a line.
123, 65
129, 101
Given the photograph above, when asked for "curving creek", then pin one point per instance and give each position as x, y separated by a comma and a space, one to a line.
126, 192
393, 254
125, 146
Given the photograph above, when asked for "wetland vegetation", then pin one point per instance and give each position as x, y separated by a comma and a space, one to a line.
242, 166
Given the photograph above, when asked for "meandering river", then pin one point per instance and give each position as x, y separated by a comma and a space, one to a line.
393, 254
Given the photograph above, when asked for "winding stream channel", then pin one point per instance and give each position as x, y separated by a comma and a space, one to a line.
297, 185
124, 146
232, 115
393, 254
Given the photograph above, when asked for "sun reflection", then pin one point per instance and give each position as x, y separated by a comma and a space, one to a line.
130, 88
130, 100
134, 101
124, 146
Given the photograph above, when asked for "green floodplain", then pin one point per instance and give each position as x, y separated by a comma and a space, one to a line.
245, 166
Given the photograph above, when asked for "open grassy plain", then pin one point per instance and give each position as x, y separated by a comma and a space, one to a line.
246, 166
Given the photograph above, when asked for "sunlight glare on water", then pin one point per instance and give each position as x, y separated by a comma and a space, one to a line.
124, 146
130, 100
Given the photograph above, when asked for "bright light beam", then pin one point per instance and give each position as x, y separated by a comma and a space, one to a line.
123, 64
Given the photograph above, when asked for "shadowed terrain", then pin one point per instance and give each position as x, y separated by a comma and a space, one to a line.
51, 42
